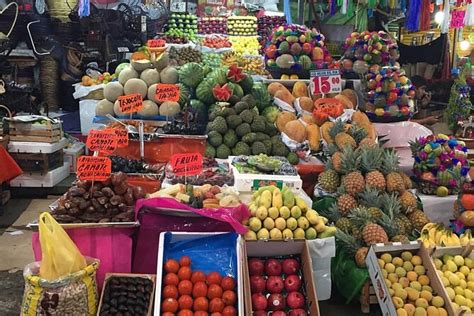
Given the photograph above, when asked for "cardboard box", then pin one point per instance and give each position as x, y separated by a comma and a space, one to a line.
278, 248
151, 277
395, 249
180, 236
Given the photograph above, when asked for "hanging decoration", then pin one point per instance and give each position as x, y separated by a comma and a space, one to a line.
469, 16
459, 104
425, 15
457, 19
412, 22
84, 8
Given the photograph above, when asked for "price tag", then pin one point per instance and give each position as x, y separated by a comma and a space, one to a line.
325, 81
262, 183
167, 92
130, 103
122, 137
93, 168
186, 164
104, 141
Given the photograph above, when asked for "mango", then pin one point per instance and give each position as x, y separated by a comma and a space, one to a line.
277, 200
265, 199
288, 198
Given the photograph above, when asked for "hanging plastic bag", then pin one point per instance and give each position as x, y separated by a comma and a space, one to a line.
347, 276
60, 256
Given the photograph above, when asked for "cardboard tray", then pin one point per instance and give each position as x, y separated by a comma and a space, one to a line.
178, 236
152, 277
277, 248
395, 249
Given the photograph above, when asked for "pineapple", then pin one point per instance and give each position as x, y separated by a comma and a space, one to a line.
338, 127
371, 162
408, 201
329, 179
394, 180
368, 143
406, 180
336, 161
403, 221
388, 220
372, 233
375, 212
356, 232
357, 133
399, 238
370, 199
360, 255
353, 181
345, 203
343, 140
418, 219
352, 246
334, 216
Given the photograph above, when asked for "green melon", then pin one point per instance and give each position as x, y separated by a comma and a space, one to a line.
184, 94
219, 75
204, 92
305, 62
236, 89
247, 84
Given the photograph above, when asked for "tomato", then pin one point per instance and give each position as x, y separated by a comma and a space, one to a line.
185, 312
216, 314
185, 302
185, 287
200, 290
228, 283
214, 278
216, 305
214, 291
170, 291
229, 311
167, 314
184, 273
229, 298
185, 261
171, 266
200, 313
169, 305
198, 276
171, 279
201, 304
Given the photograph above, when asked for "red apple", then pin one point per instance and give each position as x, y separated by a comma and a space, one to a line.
272, 267
292, 283
276, 302
298, 312
256, 266
290, 266
259, 302
257, 284
295, 300
275, 284
279, 313
260, 313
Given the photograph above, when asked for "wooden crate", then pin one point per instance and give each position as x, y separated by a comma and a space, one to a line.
367, 297
39, 162
28, 132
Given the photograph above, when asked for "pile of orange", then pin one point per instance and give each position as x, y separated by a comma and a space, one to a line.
193, 293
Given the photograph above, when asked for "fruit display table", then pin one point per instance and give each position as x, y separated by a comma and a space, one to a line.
438, 209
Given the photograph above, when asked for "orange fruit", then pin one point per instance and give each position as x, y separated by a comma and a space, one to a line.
171, 279
171, 266
214, 291
184, 273
170, 291
169, 305
185, 287
201, 304
199, 290
214, 278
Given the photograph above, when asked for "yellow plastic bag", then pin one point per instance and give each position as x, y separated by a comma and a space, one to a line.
60, 256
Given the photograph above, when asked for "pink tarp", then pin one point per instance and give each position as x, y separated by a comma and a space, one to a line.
112, 246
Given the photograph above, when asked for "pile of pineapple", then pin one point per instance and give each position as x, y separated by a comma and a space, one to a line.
373, 201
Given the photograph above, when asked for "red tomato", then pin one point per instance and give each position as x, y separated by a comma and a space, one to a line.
201, 304
216, 305
171, 279
198, 276
214, 278
214, 291
185, 302
229, 311
184, 273
229, 298
185, 261
169, 305
185, 287
228, 283
170, 291
199, 290
172, 266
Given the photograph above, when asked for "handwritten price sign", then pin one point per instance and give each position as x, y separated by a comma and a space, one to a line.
104, 141
94, 168
186, 164
130, 103
167, 92
122, 137
325, 81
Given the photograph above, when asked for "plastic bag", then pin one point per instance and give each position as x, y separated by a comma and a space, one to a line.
60, 256
347, 276
74, 294
322, 250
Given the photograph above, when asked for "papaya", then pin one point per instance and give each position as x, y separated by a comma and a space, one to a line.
300, 89
274, 87
360, 118
288, 198
285, 96
296, 131
346, 102
283, 118
314, 136
325, 128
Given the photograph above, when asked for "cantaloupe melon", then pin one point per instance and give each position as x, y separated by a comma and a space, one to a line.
151, 95
150, 76
135, 85
169, 108
149, 109
127, 74
285, 61
169, 75
113, 90
140, 65
117, 110
162, 62
104, 107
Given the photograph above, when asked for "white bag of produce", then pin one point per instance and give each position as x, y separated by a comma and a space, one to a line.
322, 251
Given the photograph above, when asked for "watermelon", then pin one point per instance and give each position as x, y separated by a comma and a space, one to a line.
219, 75
191, 74
200, 109
236, 89
260, 93
247, 84
184, 94
204, 92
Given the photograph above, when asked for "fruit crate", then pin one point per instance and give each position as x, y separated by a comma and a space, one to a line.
150, 277
395, 249
38, 162
367, 297
28, 131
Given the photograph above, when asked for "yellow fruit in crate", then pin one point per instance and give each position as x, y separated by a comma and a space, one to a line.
419, 269
460, 300
393, 277
381, 263
421, 302
437, 301
401, 312
280, 223
273, 212
310, 233
401, 293
400, 272
424, 280
442, 311
268, 223
394, 285
291, 223
386, 257
410, 309
465, 270
312, 217
404, 282
397, 261
432, 311
426, 295
413, 294
287, 234
255, 224
275, 233
427, 288
415, 285
262, 213
459, 261
398, 302
285, 212
299, 233
303, 223
284, 77
451, 293
295, 212
263, 234
390, 267
406, 255
438, 263
250, 235
460, 275
459, 290
294, 77
408, 266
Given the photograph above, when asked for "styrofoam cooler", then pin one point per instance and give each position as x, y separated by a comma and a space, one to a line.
322, 251
87, 114
37, 180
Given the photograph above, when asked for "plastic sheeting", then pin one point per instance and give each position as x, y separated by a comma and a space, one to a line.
399, 134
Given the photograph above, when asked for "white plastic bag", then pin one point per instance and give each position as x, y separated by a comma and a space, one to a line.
322, 251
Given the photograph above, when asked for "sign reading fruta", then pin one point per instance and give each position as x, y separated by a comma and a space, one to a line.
130, 103
93, 168
325, 81
186, 164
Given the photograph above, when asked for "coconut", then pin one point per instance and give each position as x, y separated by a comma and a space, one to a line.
104, 107
113, 90
141, 64
150, 76
127, 74
135, 86
149, 109
169, 75
169, 108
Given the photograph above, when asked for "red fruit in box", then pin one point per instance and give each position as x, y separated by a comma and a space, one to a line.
228, 283
259, 302
275, 284
276, 302
229, 311
229, 298
260, 313
279, 313
171, 266
214, 278
297, 312
290, 266
216, 305
257, 284
292, 283
272, 267
170, 291
200, 290
295, 300
185, 302
256, 266
214, 291
198, 276
171, 279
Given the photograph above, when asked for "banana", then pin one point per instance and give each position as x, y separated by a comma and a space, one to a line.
455, 240
301, 204
464, 239
439, 233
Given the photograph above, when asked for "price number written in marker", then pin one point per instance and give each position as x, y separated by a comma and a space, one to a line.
325, 81
122, 137
130, 103
167, 92
93, 168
